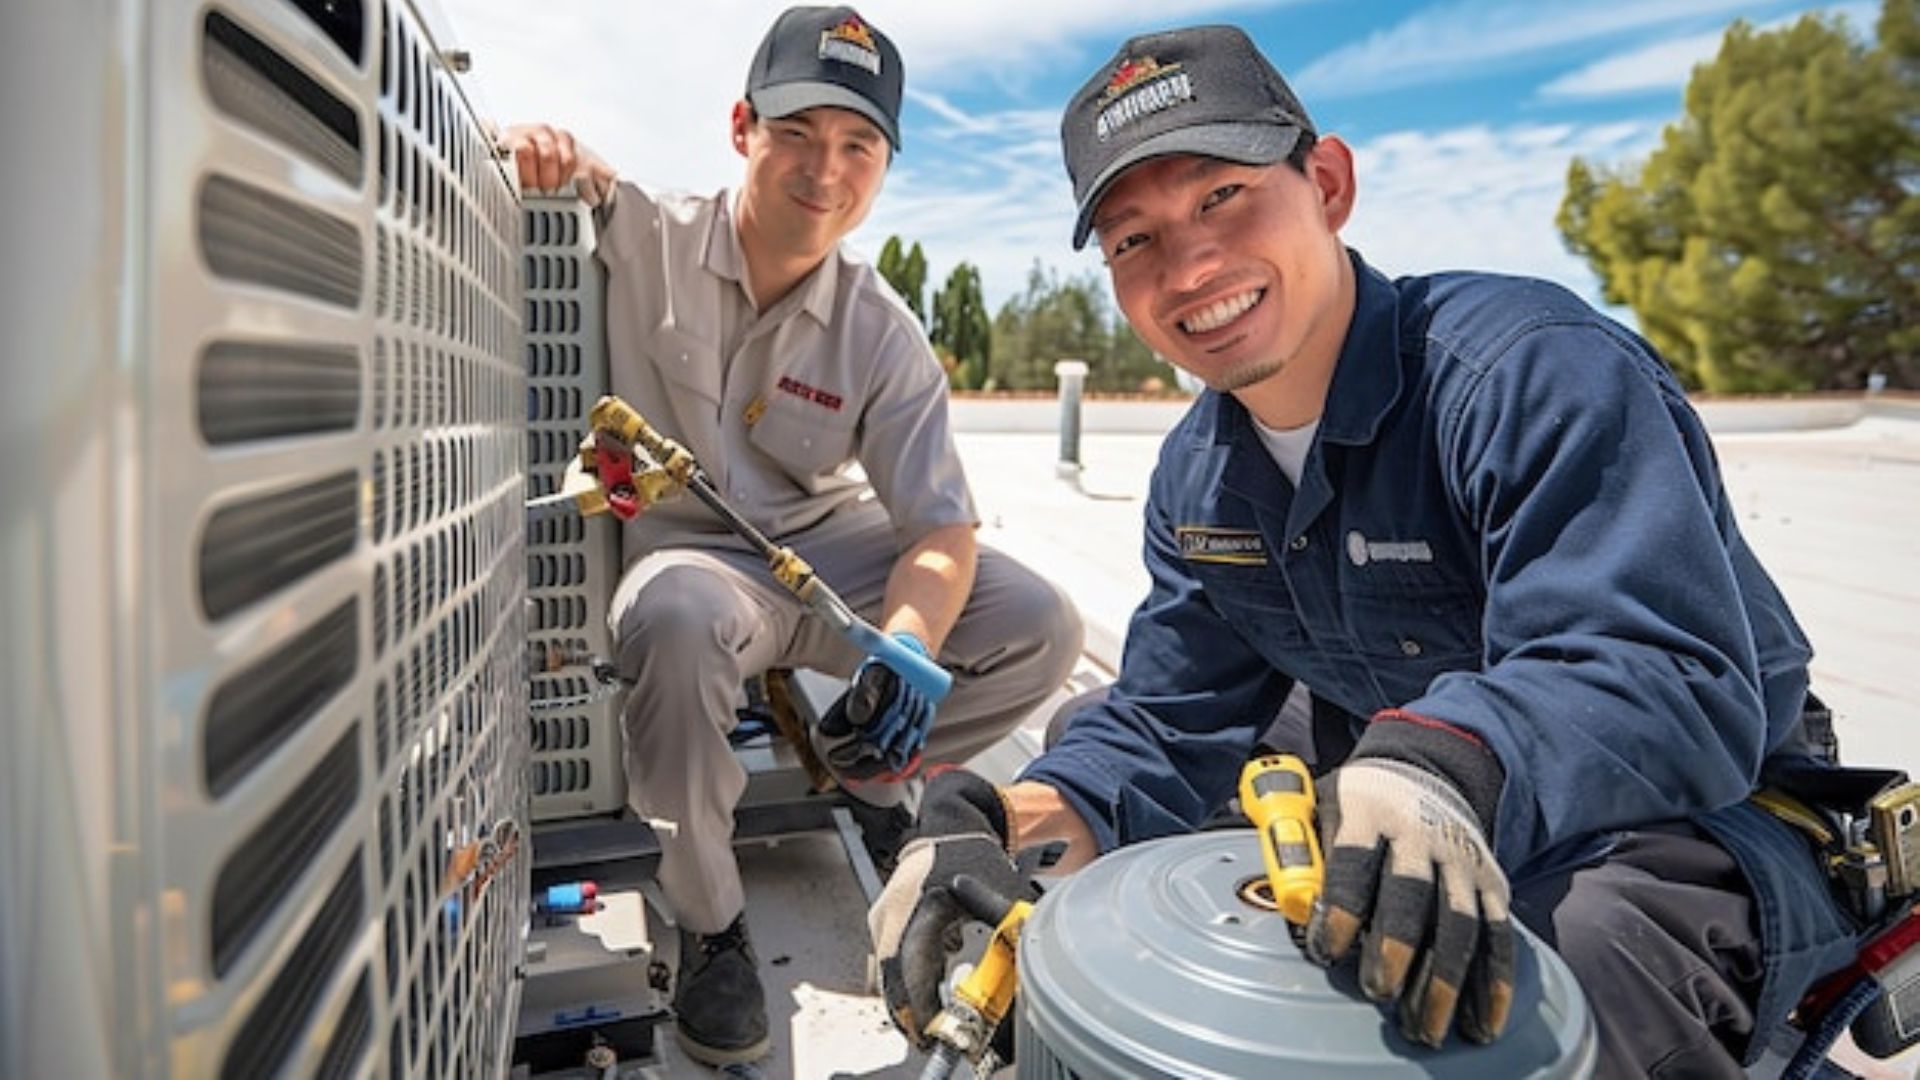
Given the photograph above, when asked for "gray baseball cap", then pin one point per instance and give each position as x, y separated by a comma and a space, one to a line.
1205, 90
827, 56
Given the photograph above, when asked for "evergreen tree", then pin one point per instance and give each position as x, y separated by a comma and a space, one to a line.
1772, 241
906, 272
961, 329
1057, 320
913, 282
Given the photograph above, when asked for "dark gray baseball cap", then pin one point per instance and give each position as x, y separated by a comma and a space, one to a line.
815, 56
1205, 90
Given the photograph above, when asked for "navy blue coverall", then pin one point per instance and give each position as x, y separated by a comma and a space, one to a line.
1510, 520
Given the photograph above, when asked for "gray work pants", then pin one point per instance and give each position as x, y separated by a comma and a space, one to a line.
1661, 936
692, 623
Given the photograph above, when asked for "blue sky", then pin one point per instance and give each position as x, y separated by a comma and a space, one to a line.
1463, 113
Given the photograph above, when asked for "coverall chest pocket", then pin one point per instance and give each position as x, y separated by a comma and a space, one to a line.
806, 440
1254, 600
1416, 636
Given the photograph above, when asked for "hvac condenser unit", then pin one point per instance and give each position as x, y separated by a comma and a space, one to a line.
262, 773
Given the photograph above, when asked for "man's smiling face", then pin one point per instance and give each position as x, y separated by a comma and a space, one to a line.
1232, 272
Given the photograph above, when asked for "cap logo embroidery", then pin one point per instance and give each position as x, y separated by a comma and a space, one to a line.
851, 43
1139, 88
1235, 547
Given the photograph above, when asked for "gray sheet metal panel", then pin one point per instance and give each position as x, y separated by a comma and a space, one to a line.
271, 575
71, 793
572, 564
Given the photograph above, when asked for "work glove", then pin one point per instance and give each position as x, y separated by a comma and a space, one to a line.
1410, 872
876, 730
918, 919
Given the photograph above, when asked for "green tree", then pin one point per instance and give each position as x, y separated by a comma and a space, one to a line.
914, 276
1050, 321
961, 329
1055, 320
1129, 365
1772, 241
906, 271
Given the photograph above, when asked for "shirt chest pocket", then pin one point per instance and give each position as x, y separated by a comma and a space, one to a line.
807, 441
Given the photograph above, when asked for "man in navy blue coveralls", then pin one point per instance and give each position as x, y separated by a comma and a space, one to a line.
1479, 519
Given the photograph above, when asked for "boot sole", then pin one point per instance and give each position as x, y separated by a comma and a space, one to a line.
717, 1056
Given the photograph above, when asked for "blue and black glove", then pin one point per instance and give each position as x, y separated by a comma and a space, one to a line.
879, 726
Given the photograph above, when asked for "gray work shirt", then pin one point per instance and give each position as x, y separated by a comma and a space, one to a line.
776, 405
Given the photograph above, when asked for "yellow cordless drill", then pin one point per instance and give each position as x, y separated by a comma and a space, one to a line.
1276, 793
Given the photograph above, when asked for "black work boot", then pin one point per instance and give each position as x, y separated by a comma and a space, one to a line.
720, 1009
883, 832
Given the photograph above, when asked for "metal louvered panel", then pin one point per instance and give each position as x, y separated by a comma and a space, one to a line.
250, 234
255, 547
250, 391
572, 565
256, 85
273, 674
262, 871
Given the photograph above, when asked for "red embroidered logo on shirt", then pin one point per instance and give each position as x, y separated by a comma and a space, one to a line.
807, 393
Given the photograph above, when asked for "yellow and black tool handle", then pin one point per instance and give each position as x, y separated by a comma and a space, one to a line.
1276, 792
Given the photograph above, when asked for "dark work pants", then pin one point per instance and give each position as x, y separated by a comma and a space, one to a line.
1661, 936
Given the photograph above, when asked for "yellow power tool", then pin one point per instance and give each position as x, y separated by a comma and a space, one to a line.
1276, 792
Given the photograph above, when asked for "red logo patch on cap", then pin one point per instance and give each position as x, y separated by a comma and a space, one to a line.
1139, 87
1131, 73
851, 43
855, 31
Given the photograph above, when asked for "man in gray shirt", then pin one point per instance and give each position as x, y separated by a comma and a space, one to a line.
739, 326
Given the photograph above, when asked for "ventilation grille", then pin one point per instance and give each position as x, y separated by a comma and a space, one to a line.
351, 1034
344, 21
251, 82
251, 235
258, 876
270, 1033
562, 776
447, 469
565, 733
262, 706
338, 479
257, 547
249, 392
572, 565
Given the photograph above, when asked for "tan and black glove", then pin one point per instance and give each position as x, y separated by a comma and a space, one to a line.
918, 919
1411, 875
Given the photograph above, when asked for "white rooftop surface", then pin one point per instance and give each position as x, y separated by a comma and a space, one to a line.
1834, 514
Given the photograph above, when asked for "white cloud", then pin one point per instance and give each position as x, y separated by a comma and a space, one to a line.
1449, 41
653, 94
999, 218
1479, 198
1667, 65
1662, 66
986, 186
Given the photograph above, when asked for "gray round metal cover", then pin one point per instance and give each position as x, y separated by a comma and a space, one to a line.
1154, 961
